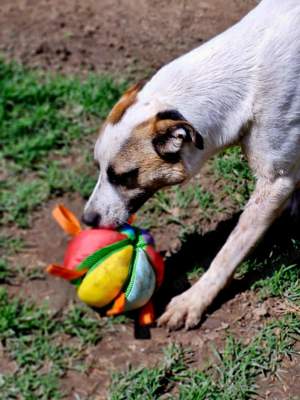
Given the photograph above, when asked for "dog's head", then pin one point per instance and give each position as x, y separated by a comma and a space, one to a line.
139, 150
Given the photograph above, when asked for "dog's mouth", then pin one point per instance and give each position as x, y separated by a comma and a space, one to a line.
136, 203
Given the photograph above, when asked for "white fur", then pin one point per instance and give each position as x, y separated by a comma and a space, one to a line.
249, 76
105, 199
250, 70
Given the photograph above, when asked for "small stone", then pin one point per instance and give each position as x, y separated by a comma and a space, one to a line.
261, 311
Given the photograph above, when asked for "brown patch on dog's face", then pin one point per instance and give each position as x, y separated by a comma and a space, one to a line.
127, 100
139, 170
134, 164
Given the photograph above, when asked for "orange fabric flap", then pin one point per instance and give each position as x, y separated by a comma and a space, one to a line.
146, 316
65, 273
67, 220
118, 306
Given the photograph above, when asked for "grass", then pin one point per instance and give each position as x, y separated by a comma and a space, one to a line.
284, 283
40, 113
149, 383
231, 167
235, 371
231, 377
195, 273
5, 274
9, 246
277, 274
42, 118
47, 123
42, 346
19, 198
189, 205
81, 324
79, 179
176, 205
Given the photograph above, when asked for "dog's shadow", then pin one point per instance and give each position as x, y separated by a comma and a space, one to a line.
200, 250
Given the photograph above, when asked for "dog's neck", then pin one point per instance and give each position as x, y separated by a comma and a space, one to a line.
211, 88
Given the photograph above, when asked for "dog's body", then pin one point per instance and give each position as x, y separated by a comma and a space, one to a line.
241, 87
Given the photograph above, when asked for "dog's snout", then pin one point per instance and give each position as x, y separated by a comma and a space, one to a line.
91, 218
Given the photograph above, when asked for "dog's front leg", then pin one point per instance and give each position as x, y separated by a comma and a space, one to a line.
263, 207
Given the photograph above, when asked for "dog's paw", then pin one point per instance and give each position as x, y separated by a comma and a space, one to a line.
184, 310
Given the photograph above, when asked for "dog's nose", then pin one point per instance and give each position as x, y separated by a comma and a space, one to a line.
91, 218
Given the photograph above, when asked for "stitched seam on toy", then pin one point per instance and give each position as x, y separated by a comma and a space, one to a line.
110, 253
139, 246
141, 243
77, 281
132, 274
93, 259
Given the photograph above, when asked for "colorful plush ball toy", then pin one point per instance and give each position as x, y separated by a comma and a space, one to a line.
115, 268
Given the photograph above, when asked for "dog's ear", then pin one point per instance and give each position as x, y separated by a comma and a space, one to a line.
172, 131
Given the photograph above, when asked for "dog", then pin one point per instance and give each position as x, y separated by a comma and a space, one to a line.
241, 87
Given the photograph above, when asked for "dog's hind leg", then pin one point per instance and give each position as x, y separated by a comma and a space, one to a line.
265, 204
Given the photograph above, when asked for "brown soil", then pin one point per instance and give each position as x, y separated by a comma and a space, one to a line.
238, 310
134, 38
126, 36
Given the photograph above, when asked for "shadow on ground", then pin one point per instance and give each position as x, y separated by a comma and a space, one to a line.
200, 250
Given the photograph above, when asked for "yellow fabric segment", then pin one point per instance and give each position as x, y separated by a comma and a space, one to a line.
105, 282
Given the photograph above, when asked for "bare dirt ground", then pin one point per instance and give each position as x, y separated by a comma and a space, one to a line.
238, 311
127, 38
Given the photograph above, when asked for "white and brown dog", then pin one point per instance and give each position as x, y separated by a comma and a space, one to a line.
243, 87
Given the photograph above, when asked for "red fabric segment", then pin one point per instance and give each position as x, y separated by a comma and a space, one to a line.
86, 243
157, 263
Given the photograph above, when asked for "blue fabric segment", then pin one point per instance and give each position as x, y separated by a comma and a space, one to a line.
148, 238
129, 231
142, 282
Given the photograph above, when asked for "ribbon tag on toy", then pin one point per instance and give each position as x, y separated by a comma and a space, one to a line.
67, 220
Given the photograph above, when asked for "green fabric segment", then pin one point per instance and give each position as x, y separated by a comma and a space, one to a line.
98, 255
140, 244
95, 259
131, 275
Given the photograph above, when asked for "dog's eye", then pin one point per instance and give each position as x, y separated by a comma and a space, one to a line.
127, 179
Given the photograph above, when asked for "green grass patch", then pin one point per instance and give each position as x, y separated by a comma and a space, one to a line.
41, 112
176, 205
5, 273
284, 282
42, 346
43, 117
277, 274
19, 198
149, 383
9, 246
231, 377
195, 272
232, 167
80, 323
79, 179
